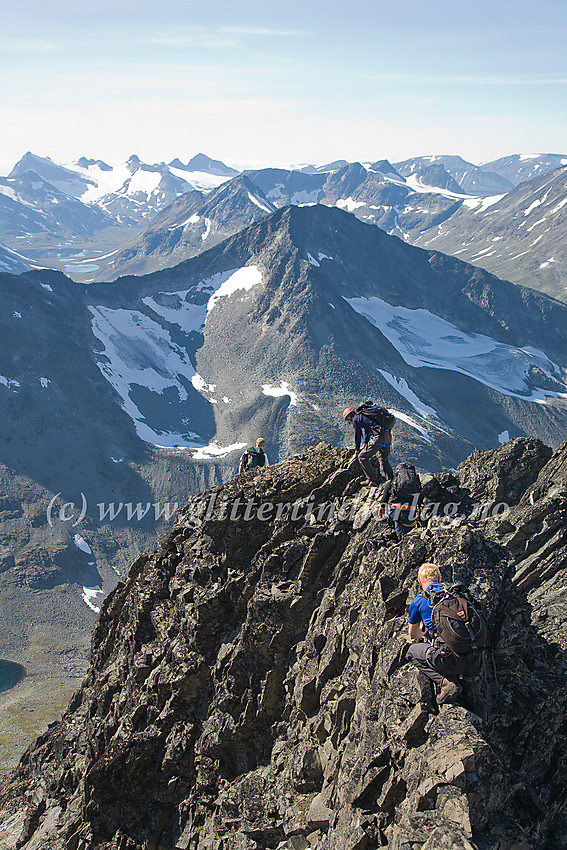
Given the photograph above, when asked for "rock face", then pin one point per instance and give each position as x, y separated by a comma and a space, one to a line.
536, 533
247, 688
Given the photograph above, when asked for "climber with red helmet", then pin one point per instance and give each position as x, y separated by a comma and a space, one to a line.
376, 439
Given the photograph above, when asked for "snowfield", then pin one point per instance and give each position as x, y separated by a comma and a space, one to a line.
424, 339
140, 354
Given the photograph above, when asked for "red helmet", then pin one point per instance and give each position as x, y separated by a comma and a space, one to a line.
347, 411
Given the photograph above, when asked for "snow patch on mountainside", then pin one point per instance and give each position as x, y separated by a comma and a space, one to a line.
89, 594
82, 544
413, 424
482, 204
258, 203
425, 340
9, 192
139, 353
244, 278
176, 309
278, 392
214, 450
416, 183
144, 182
200, 180
401, 386
349, 204
9, 382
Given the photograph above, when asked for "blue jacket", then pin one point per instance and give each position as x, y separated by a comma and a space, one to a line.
420, 608
362, 423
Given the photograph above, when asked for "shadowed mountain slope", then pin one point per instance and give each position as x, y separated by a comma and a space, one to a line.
519, 235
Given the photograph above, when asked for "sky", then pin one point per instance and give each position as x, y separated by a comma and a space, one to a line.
262, 83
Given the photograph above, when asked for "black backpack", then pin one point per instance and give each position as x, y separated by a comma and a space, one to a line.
405, 485
253, 457
383, 419
457, 620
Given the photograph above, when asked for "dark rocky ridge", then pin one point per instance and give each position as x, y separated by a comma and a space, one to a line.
246, 692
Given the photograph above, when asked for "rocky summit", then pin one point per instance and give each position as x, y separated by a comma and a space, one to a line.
248, 690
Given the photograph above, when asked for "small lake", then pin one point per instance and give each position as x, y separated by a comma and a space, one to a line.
81, 269
10, 674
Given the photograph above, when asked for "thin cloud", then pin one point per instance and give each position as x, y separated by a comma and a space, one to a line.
264, 31
512, 81
469, 79
218, 37
194, 40
33, 45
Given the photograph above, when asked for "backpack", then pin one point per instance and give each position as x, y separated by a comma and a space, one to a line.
253, 457
405, 485
383, 419
457, 620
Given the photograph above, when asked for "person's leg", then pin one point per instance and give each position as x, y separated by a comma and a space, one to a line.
420, 655
407, 521
475, 686
385, 465
365, 456
394, 517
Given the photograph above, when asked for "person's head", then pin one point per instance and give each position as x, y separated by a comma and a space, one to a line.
260, 443
428, 573
348, 414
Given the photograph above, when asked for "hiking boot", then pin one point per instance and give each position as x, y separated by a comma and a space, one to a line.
448, 690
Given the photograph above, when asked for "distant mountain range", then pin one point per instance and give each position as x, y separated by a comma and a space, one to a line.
466, 177
521, 167
97, 222
519, 236
130, 192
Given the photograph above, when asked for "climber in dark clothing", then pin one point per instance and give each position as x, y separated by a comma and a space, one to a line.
375, 442
434, 659
401, 499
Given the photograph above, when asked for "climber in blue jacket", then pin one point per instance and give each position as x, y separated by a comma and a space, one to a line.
377, 442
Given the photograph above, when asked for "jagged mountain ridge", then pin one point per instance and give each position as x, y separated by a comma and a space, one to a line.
133, 190
469, 178
432, 191
191, 224
309, 321
32, 209
484, 231
50, 211
246, 688
203, 163
376, 195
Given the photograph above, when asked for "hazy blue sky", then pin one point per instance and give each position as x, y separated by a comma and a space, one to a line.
258, 83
